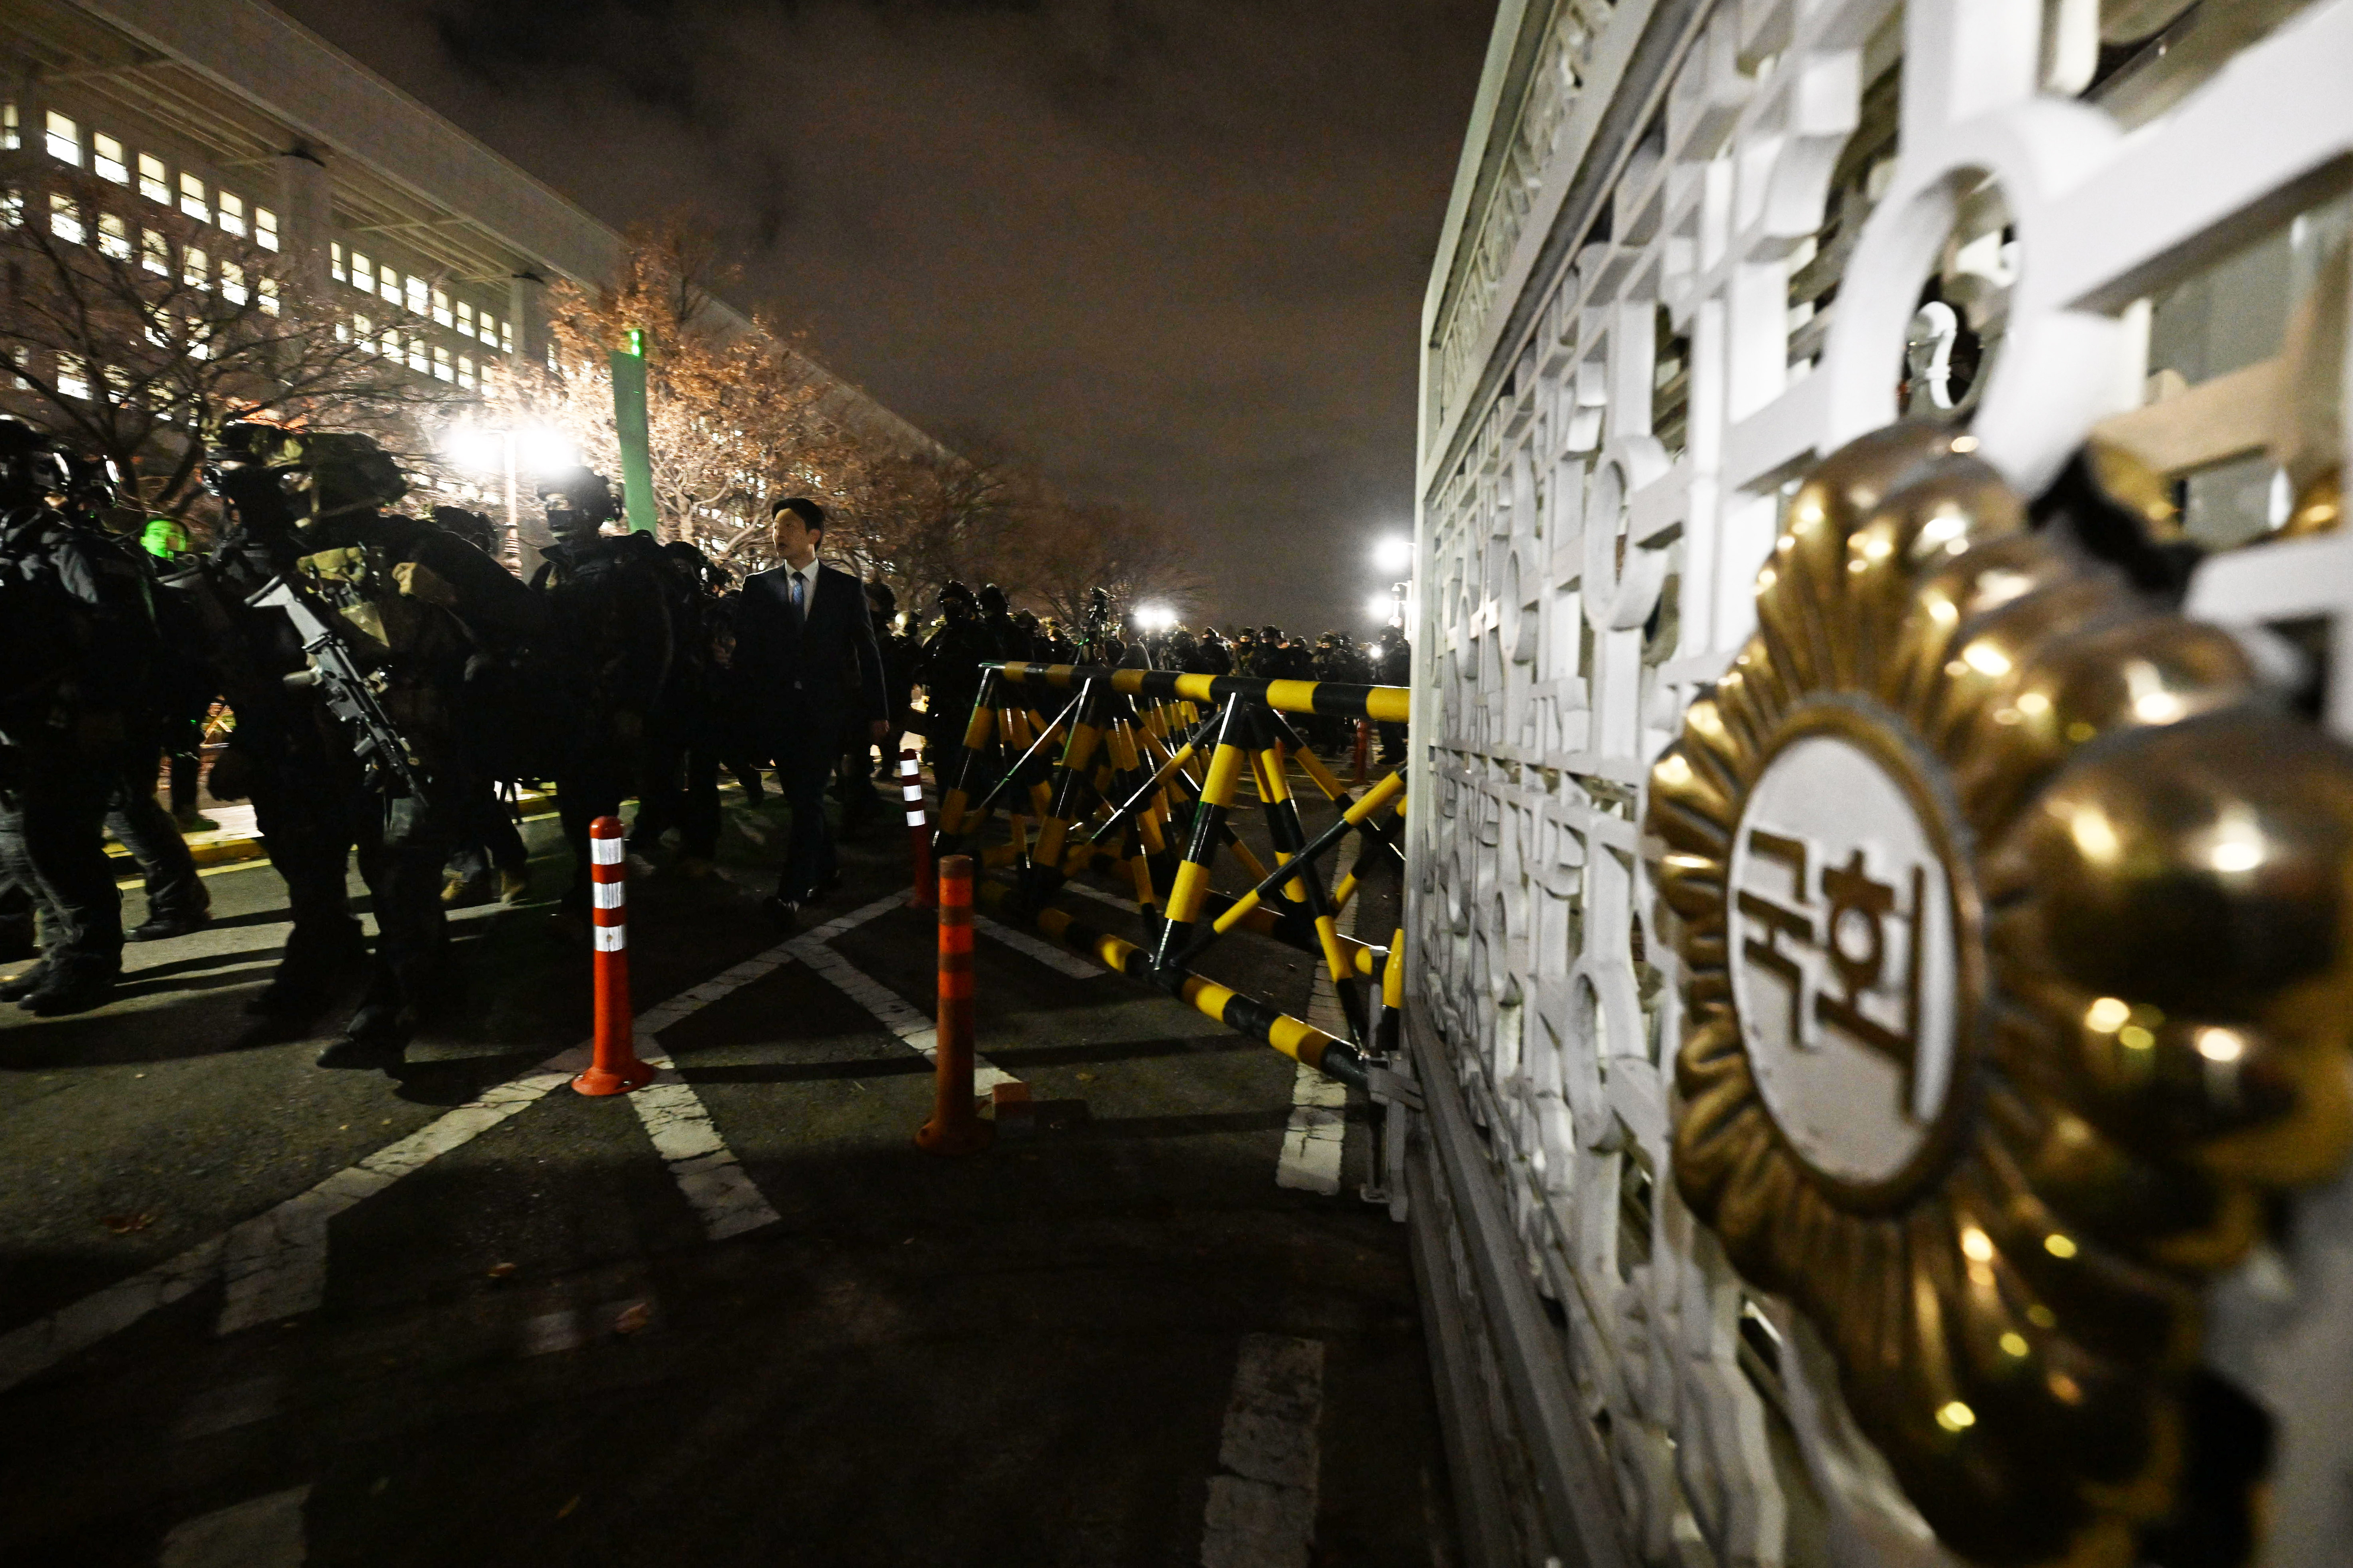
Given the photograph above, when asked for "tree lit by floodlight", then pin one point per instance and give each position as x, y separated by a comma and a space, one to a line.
1394, 554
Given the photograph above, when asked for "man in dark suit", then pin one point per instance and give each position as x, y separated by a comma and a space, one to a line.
811, 676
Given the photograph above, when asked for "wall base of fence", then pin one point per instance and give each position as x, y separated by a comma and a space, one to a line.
1531, 1480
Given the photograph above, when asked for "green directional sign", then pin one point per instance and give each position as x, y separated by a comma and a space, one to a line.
629, 424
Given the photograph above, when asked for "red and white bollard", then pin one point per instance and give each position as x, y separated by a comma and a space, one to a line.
919, 829
1364, 749
615, 1068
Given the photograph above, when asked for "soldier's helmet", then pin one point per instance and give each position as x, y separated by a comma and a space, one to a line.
991, 600
956, 602
1209, 637
578, 498
30, 470
473, 527
347, 472
92, 483
881, 601
1270, 634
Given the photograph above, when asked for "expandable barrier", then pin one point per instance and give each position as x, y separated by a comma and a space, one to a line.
1137, 774
614, 1066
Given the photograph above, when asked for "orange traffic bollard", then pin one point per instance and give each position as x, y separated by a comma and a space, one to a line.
919, 829
1364, 749
615, 1068
955, 1127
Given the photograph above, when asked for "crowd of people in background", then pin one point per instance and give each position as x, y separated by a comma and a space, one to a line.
386, 683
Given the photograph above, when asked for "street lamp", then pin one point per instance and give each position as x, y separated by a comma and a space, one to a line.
1394, 554
505, 450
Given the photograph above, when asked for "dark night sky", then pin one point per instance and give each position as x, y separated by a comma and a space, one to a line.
1176, 249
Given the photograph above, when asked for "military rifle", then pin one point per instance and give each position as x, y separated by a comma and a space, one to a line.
337, 676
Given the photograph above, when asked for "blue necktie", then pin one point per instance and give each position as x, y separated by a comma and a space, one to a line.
800, 611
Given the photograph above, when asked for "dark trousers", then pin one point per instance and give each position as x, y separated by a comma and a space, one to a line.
305, 806
804, 763
403, 845
53, 844
591, 785
487, 836
147, 830
187, 772
685, 795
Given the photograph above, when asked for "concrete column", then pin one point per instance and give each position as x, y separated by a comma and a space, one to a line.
527, 303
305, 220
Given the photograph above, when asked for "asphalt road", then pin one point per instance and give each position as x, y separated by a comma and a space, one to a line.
257, 1313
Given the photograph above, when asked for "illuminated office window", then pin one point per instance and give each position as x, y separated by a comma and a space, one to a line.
106, 157
72, 380
387, 285
419, 303
65, 219
441, 316
466, 318
265, 228
465, 371
192, 198
269, 296
196, 268
153, 184
362, 273
232, 283
12, 138
441, 362
113, 237
232, 214
155, 252
416, 360
65, 139
337, 268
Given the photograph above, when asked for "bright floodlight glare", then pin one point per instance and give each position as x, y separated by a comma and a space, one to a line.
1394, 554
479, 450
1155, 618
1381, 609
539, 450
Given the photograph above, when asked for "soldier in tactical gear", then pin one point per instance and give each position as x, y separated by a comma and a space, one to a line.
491, 860
1211, 655
321, 584
78, 636
1392, 664
949, 669
612, 606
684, 738
901, 655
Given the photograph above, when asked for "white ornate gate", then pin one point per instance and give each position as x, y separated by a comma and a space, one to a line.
1687, 258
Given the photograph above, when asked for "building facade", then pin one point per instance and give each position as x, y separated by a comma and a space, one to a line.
234, 119
1793, 1185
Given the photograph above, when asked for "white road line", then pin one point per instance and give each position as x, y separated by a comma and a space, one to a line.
44, 1343
920, 1032
1316, 1137
1261, 1513
1088, 891
275, 1263
1059, 960
705, 1169
262, 1532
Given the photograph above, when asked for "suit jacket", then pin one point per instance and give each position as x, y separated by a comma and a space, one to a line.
824, 675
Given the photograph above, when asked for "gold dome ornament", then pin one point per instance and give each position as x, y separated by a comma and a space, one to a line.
2017, 928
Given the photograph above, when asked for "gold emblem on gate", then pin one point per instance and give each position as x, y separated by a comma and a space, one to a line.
2017, 926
